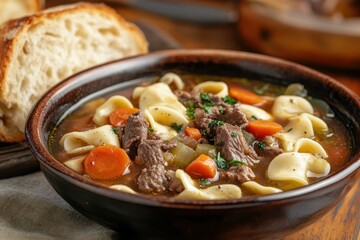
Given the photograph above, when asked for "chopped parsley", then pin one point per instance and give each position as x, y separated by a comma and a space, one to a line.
150, 130
206, 100
259, 91
204, 182
221, 110
115, 130
203, 132
236, 162
253, 117
234, 134
190, 111
229, 100
191, 104
205, 97
261, 145
207, 107
290, 129
215, 123
176, 127
221, 162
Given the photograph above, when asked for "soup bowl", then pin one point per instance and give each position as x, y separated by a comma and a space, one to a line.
150, 217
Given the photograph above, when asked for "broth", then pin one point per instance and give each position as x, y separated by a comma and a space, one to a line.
336, 142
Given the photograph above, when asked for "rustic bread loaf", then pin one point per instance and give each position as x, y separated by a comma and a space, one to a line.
10, 9
38, 51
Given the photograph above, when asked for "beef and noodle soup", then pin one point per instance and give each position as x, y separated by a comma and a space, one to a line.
203, 137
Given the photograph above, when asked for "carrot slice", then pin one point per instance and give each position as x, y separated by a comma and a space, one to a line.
262, 128
193, 133
244, 95
106, 162
202, 167
121, 115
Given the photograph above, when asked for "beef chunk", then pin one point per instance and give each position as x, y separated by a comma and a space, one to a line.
268, 147
230, 114
185, 97
153, 136
203, 141
150, 152
232, 145
188, 141
136, 129
239, 173
202, 120
168, 145
153, 179
216, 109
175, 184
120, 131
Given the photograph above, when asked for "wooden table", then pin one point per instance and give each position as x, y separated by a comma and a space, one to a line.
343, 222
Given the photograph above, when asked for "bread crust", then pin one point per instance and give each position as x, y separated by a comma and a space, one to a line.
38, 4
12, 31
18, 8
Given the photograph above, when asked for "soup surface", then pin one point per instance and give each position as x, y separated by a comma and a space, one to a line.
203, 137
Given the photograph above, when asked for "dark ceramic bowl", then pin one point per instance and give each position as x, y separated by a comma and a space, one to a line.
140, 216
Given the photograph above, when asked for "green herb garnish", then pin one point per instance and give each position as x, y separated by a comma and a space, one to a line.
253, 117
259, 91
115, 130
150, 130
204, 182
205, 97
237, 162
214, 123
221, 110
221, 162
190, 111
289, 130
207, 107
229, 100
203, 132
261, 145
191, 104
234, 134
176, 127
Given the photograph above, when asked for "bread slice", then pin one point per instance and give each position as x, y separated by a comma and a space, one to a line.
38, 51
10, 9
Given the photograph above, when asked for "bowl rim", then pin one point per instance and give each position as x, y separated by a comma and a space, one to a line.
33, 134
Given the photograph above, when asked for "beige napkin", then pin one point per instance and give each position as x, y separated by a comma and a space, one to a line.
31, 209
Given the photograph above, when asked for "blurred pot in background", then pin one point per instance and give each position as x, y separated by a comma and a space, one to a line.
317, 32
